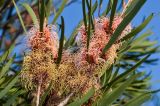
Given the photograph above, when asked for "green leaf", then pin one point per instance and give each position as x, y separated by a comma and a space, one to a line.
137, 101
61, 41
116, 72
94, 7
9, 86
113, 11
108, 8
144, 44
8, 52
2, 80
100, 6
126, 73
123, 25
71, 39
20, 18
88, 5
106, 76
1, 2
131, 6
110, 97
42, 15
31, 13
84, 99
6, 67
89, 27
138, 29
140, 90
4, 57
13, 98
59, 11
43, 98
48, 8
84, 13
141, 50
138, 40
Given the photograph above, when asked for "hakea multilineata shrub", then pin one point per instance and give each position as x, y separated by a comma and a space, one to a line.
78, 71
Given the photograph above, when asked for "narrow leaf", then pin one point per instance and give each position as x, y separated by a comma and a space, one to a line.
84, 99
1, 3
89, 26
113, 11
13, 98
59, 11
43, 98
4, 57
116, 72
48, 8
72, 37
9, 86
130, 7
113, 95
88, 5
42, 15
61, 41
106, 76
31, 13
108, 8
123, 24
141, 38
20, 18
84, 13
100, 6
126, 73
7, 53
138, 29
137, 101
6, 67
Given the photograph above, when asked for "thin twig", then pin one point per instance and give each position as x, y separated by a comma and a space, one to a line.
64, 102
38, 92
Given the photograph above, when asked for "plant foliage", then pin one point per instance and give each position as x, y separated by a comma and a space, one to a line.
123, 83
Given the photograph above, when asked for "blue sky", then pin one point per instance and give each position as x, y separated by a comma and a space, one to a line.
73, 14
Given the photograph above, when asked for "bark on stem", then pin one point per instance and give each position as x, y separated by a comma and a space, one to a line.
38, 93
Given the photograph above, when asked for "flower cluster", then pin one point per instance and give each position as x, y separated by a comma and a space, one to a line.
44, 41
99, 38
80, 69
39, 67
